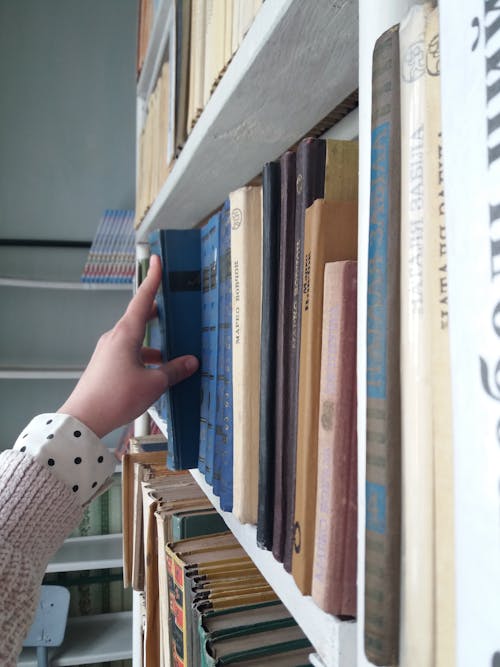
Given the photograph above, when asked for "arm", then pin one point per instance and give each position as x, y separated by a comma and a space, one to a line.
59, 464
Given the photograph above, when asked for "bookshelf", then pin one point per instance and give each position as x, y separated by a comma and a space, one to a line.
94, 552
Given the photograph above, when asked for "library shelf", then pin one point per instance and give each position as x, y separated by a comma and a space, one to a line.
65, 285
40, 373
95, 552
275, 69
89, 640
334, 640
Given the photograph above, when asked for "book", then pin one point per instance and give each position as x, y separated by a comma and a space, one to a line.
182, 50
271, 205
179, 311
246, 261
196, 61
223, 455
331, 234
383, 398
215, 18
191, 523
325, 169
283, 328
335, 539
209, 343
436, 323
417, 544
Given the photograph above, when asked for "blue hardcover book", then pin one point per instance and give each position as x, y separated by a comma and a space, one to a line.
179, 313
209, 343
223, 331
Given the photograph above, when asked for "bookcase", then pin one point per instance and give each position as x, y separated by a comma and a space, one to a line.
297, 62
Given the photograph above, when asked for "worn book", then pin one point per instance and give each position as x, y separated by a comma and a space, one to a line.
335, 540
331, 234
179, 311
417, 545
271, 206
326, 169
383, 397
246, 281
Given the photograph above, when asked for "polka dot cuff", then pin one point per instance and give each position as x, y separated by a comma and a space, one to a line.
71, 451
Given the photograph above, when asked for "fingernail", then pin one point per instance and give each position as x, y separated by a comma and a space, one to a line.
191, 364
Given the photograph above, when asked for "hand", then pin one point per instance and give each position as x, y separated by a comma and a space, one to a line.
116, 387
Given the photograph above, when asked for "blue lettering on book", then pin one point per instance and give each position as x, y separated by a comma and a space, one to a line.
376, 368
376, 502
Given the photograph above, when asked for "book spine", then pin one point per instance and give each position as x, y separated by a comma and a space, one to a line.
213, 347
271, 200
246, 278
417, 553
310, 186
333, 581
283, 328
383, 400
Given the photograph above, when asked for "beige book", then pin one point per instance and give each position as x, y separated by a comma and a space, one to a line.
197, 60
417, 563
436, 317
228, 32
235, 32
330, 234
214, 45
246, 279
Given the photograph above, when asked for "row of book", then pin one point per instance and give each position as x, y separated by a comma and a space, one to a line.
274, 427
202, 37
111, 257
205, 602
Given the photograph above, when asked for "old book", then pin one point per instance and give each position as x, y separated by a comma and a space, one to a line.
246, 272
271, 205
283, 327
214, 45
179, 311
326, 168
417, 552
436, 324
335, 545
383, 399
331, 234
182, 50
209, 342
196, 62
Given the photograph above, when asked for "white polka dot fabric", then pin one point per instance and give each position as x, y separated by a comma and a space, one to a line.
71, 451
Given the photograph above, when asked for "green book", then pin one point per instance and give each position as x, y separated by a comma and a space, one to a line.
193, 523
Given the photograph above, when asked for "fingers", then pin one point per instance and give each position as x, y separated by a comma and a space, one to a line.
142, 305
180, 368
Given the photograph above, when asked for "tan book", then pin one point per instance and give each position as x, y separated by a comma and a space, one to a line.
335, 543
197, 60
330, 234
417, 562
246, 271
436, 318
214, 45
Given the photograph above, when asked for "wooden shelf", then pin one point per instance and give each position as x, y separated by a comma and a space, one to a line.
333, 640
95, 552
89, 640
296, 55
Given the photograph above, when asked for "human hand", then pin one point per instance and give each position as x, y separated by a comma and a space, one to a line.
116, 387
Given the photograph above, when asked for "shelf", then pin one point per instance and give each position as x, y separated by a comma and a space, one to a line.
89, 640
40, 373
54, 284
95, 552
333, 640
161, 423
276, 69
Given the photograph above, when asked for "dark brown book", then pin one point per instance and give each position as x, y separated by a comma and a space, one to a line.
331, 234
335, 544
383, 399
326, 169
283, 326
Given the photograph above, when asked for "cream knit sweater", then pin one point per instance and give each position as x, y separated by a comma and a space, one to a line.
37, 512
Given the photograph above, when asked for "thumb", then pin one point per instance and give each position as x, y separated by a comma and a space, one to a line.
179, 369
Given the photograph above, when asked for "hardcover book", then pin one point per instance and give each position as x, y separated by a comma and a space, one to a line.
179, 311
331, 234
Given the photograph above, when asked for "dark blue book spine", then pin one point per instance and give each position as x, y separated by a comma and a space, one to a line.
209, 327
179, 310
224, 331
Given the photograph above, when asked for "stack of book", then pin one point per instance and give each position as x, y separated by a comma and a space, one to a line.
202, 38
111, 257
269, 288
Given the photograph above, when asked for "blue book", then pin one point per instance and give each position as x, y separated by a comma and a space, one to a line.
223, 461
179, 314
209, 343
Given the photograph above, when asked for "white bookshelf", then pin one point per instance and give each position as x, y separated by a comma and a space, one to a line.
89, 640
95, 552
64, 285
40, 373
297, 62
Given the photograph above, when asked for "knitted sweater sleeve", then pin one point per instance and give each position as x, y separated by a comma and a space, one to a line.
37, 512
